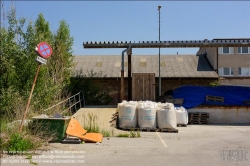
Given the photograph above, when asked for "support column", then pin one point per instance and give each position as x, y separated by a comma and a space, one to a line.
122, 85
129, 53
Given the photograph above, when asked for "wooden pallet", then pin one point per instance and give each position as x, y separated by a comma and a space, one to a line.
181, 125
198, 123
199, 114
168, 130
197, 118
148, 129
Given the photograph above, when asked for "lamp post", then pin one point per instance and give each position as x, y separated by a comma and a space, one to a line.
159, 9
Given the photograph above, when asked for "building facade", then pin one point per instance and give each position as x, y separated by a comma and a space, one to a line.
232, 64
176, 71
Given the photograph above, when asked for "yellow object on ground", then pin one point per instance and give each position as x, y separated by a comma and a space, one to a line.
75, 129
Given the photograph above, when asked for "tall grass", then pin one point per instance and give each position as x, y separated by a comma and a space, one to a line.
90, 123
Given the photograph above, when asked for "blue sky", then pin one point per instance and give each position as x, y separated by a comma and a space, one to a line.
138, 21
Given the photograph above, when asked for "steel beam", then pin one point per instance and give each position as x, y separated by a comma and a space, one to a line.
170, 44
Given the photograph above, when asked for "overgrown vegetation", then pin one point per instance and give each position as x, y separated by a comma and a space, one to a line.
90, 123
214, 84
93, 93
123, 135
18, 66
13, 141
131, 134
18, 40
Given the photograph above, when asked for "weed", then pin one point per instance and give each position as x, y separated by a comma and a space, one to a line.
29, 157
18, 143
90, 123
138, 134
113, 132
105, 133
32, 162
123, 135
132, 134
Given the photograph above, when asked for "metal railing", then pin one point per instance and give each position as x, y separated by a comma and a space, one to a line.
73, 101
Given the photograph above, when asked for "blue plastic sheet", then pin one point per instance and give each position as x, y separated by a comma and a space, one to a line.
196, 95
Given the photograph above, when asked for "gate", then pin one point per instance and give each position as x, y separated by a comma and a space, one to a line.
143, 86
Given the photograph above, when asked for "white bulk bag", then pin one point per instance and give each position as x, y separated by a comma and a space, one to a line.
127, 115
147, 116
181, 115
166, 117
123, 102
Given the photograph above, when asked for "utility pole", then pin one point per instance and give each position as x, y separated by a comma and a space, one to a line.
159, 9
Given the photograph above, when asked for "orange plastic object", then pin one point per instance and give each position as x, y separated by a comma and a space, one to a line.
75, 129
92, 137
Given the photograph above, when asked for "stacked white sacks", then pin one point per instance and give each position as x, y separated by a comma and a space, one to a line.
166, 116
181, 116
147, 114
127, 114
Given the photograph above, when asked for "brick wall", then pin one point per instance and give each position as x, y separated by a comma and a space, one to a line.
167, 84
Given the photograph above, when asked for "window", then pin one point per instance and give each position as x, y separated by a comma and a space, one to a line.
243, 50
226, 71
243, 71
226, 50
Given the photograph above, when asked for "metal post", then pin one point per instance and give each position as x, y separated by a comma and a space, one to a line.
75, 102
80, 100
122, 84
129, 52
159, 8
122, 71
31, 92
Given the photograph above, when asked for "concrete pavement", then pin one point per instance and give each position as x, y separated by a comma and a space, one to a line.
202, 145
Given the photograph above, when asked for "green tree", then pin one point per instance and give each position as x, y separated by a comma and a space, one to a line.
61, 61
18, 66
93, 93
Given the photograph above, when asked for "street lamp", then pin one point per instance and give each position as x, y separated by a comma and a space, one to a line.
159, 8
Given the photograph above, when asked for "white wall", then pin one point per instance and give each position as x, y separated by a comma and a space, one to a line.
225, 115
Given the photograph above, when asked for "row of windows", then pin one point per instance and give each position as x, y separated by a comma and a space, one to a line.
230, 50
229, 71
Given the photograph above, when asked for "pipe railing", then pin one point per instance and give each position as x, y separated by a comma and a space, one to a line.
77, 98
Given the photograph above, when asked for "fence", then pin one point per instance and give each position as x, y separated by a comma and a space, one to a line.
71, 102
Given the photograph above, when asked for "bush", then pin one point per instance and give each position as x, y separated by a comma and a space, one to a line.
214, 84
93, 93
18, 143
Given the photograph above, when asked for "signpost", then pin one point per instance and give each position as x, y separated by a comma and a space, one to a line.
45, 51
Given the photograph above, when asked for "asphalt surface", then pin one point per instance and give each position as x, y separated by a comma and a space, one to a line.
201, 145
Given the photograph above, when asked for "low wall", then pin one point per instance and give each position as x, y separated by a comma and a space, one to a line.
226, 115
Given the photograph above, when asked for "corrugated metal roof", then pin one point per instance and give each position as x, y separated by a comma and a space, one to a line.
169, 44
171, 65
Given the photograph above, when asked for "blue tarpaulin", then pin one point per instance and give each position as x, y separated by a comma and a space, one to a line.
196, 95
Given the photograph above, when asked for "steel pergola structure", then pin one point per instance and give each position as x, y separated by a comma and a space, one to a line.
128, 45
